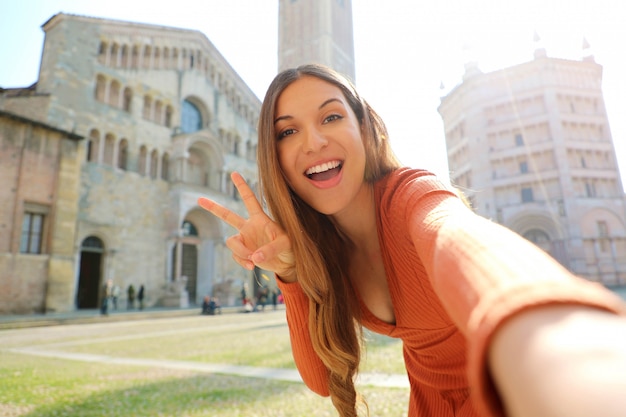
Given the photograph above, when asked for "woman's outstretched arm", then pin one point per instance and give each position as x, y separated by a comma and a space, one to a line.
561, 361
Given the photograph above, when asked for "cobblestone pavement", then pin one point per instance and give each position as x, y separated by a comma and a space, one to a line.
59, 341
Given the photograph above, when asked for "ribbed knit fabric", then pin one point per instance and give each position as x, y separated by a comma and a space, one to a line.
454, 277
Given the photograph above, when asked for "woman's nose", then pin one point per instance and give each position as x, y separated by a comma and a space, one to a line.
314, 141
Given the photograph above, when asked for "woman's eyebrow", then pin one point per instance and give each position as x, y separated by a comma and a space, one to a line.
288, 117
330, 100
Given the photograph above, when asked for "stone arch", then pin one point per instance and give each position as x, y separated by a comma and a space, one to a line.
527, 221
205, 163
588, 226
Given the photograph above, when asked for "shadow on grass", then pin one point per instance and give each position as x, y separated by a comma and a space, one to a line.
200, 395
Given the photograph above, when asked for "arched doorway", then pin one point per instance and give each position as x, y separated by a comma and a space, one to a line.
189, 258
90, 273
539, 238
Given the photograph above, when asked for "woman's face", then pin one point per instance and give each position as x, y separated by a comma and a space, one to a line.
319, 144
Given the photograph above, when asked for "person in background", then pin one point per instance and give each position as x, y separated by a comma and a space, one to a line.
140, 296
130, 297
491, 325
107, 293
115, 295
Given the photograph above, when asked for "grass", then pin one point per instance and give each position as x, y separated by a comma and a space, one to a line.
35, 386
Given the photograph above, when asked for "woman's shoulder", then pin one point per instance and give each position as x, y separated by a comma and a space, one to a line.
409, 180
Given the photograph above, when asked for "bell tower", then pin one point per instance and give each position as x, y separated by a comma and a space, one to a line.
316, 31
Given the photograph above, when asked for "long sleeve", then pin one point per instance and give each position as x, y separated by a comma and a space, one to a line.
312, 370
484, 273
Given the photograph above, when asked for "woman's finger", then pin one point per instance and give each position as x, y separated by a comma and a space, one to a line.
247, 195
222, 212
238, 247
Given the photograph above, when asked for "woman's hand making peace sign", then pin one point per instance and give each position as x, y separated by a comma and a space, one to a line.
260, 241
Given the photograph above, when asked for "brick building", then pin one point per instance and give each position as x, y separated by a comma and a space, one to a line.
103, 159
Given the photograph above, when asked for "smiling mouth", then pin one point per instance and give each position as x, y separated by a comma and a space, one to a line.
324, 171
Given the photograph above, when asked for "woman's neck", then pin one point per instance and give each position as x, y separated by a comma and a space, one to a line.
358, 221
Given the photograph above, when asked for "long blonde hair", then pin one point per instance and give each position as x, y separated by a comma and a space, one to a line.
321, 255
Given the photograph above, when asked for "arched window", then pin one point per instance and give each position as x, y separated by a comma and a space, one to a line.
165, 167
147, 55
191, 118
125, 56
92, 146
157, 57
154, 164
168, 115
128, 98
109, 146
143, 154
100, 88
158, 112
188, 229
93, 243
114, 59
114, 93
147, 107
102, 52
166, 58
135, 57
122, 155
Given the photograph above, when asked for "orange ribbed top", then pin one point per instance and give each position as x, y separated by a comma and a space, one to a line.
453, 277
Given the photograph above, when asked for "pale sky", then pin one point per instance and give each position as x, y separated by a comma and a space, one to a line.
405, 49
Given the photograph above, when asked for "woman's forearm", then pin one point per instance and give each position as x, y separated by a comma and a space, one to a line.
561, 361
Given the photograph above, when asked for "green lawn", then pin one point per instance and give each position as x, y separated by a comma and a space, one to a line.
36, 386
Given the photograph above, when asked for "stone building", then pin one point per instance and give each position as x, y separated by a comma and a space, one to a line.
317, 31
106, 154
531, 147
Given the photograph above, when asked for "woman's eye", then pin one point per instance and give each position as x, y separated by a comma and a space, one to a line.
332, 117
285, 133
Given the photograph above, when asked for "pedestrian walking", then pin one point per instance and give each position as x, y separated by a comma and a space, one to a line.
140, 296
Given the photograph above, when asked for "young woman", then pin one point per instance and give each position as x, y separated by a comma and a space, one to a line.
490, 324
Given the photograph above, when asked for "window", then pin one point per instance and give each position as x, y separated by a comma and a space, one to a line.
590, 189
527, 195
191, 118
523, 167
603, 236
519, 139
32, 232
188, 229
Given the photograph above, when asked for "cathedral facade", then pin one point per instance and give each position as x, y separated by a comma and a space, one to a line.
103, 160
